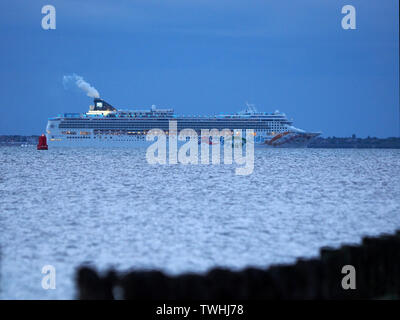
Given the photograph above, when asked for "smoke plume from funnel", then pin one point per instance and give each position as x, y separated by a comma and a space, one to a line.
81, 84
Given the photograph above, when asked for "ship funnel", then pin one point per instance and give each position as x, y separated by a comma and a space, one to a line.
102, 105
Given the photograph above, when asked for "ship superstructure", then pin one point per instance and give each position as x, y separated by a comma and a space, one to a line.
105, 125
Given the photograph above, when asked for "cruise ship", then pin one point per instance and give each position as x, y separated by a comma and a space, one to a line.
106, 126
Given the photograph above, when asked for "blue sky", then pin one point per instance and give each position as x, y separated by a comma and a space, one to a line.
205, 57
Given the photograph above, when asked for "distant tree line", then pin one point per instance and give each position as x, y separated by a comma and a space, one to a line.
319, 142
18, 139
354, 142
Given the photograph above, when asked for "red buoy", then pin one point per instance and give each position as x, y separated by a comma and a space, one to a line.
42, 145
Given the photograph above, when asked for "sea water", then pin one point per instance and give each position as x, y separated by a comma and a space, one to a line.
110, 208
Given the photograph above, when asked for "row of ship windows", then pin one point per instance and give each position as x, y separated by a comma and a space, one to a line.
132, 133
84, 137
166, 124
79, 137
227, 120
167, 128
229, 123
141, 138
132, 139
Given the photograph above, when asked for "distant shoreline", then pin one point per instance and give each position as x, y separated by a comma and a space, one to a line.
319, 142
356, 143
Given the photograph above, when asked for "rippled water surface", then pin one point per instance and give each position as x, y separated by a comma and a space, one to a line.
108, 208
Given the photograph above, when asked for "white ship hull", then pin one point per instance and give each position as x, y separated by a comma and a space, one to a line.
291, 140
